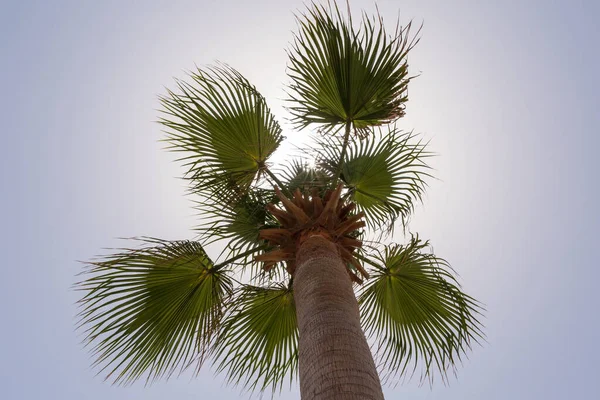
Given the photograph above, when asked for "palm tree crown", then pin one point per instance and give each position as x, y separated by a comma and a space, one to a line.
167, 305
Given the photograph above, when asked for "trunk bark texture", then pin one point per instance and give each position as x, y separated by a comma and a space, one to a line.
335, 362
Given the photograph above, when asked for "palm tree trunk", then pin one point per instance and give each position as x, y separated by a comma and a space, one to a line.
335, 361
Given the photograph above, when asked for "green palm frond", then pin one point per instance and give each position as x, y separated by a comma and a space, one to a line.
257, 345
385, 175
299, 175
414, 309
238, 222
341, 74
223, 125
152, 311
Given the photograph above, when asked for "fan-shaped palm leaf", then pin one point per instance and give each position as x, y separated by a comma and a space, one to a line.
417, 314
385, 175
341, 75
299, 175
224, 126
257, 346
152, 310
238, 222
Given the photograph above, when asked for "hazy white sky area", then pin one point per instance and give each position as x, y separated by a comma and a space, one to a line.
507, 96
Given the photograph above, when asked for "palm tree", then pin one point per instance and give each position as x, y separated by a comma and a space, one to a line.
306, 275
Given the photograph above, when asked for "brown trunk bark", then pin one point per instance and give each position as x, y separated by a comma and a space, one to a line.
335, 362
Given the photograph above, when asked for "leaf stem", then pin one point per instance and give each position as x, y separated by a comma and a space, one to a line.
241, 255
368, 261
283, 187
338, 173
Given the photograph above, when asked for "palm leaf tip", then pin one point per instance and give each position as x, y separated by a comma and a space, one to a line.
224, 126
152, 311
340, 73
417, 313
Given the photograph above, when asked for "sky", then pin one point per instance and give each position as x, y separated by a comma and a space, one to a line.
507, 95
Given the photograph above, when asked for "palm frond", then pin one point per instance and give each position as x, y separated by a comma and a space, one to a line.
416, 312
257, 345
340, 73
238, 222
153, 310
299, 175
223, 125
385, 175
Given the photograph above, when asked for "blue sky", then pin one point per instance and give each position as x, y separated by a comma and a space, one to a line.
507, 95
